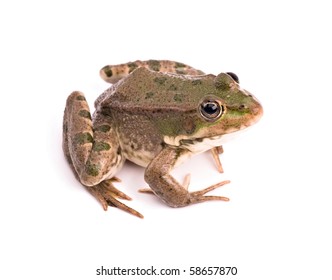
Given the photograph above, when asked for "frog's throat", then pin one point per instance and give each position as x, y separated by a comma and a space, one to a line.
199, 145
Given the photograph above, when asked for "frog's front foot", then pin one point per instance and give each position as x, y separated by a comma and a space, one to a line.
108, 195
185, 198
199, 196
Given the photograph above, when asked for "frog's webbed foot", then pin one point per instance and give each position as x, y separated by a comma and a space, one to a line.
216, 151
197, 196
108, 195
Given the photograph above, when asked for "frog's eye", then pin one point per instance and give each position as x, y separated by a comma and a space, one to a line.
211, 109
234, 76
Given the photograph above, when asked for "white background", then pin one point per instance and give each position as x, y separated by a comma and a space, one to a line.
278, 222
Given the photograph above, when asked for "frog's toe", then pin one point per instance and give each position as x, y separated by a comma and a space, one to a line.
109, 190
216, 151
199, 196
114, 179
108, 195
146, 190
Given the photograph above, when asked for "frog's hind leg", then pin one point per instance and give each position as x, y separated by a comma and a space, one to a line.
93, 152
114, 73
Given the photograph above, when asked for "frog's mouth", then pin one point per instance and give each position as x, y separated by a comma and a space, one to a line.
199, 145
203, 143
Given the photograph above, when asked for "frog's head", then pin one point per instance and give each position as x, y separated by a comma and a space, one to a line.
229, 108
222, 108
194, 111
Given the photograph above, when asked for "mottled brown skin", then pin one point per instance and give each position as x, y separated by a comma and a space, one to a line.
155, 120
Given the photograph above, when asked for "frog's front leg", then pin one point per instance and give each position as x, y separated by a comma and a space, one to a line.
93, 151
157, 175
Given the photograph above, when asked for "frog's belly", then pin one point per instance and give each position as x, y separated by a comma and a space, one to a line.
143, 156
140, 157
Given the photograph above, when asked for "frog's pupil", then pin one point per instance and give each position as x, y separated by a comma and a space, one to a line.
211, 108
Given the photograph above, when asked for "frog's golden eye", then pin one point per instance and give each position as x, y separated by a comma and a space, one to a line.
234, 76
211, 109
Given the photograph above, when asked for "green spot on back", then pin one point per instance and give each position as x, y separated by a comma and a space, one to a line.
160, 80
196, 82
173, 87
154, 65
85, 114
177, 97
83, 138
103, 128
149, 95
101, 146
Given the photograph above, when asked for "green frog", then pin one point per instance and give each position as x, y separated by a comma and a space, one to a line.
157, 113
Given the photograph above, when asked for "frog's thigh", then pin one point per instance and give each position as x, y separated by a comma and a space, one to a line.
95, 153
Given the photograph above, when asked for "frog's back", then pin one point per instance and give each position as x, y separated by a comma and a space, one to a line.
150, 90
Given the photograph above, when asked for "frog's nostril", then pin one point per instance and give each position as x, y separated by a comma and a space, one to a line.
242, 106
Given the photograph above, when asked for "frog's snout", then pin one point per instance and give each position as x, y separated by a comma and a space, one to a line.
256, 111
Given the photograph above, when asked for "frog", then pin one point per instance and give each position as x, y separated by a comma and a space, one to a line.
156, 114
